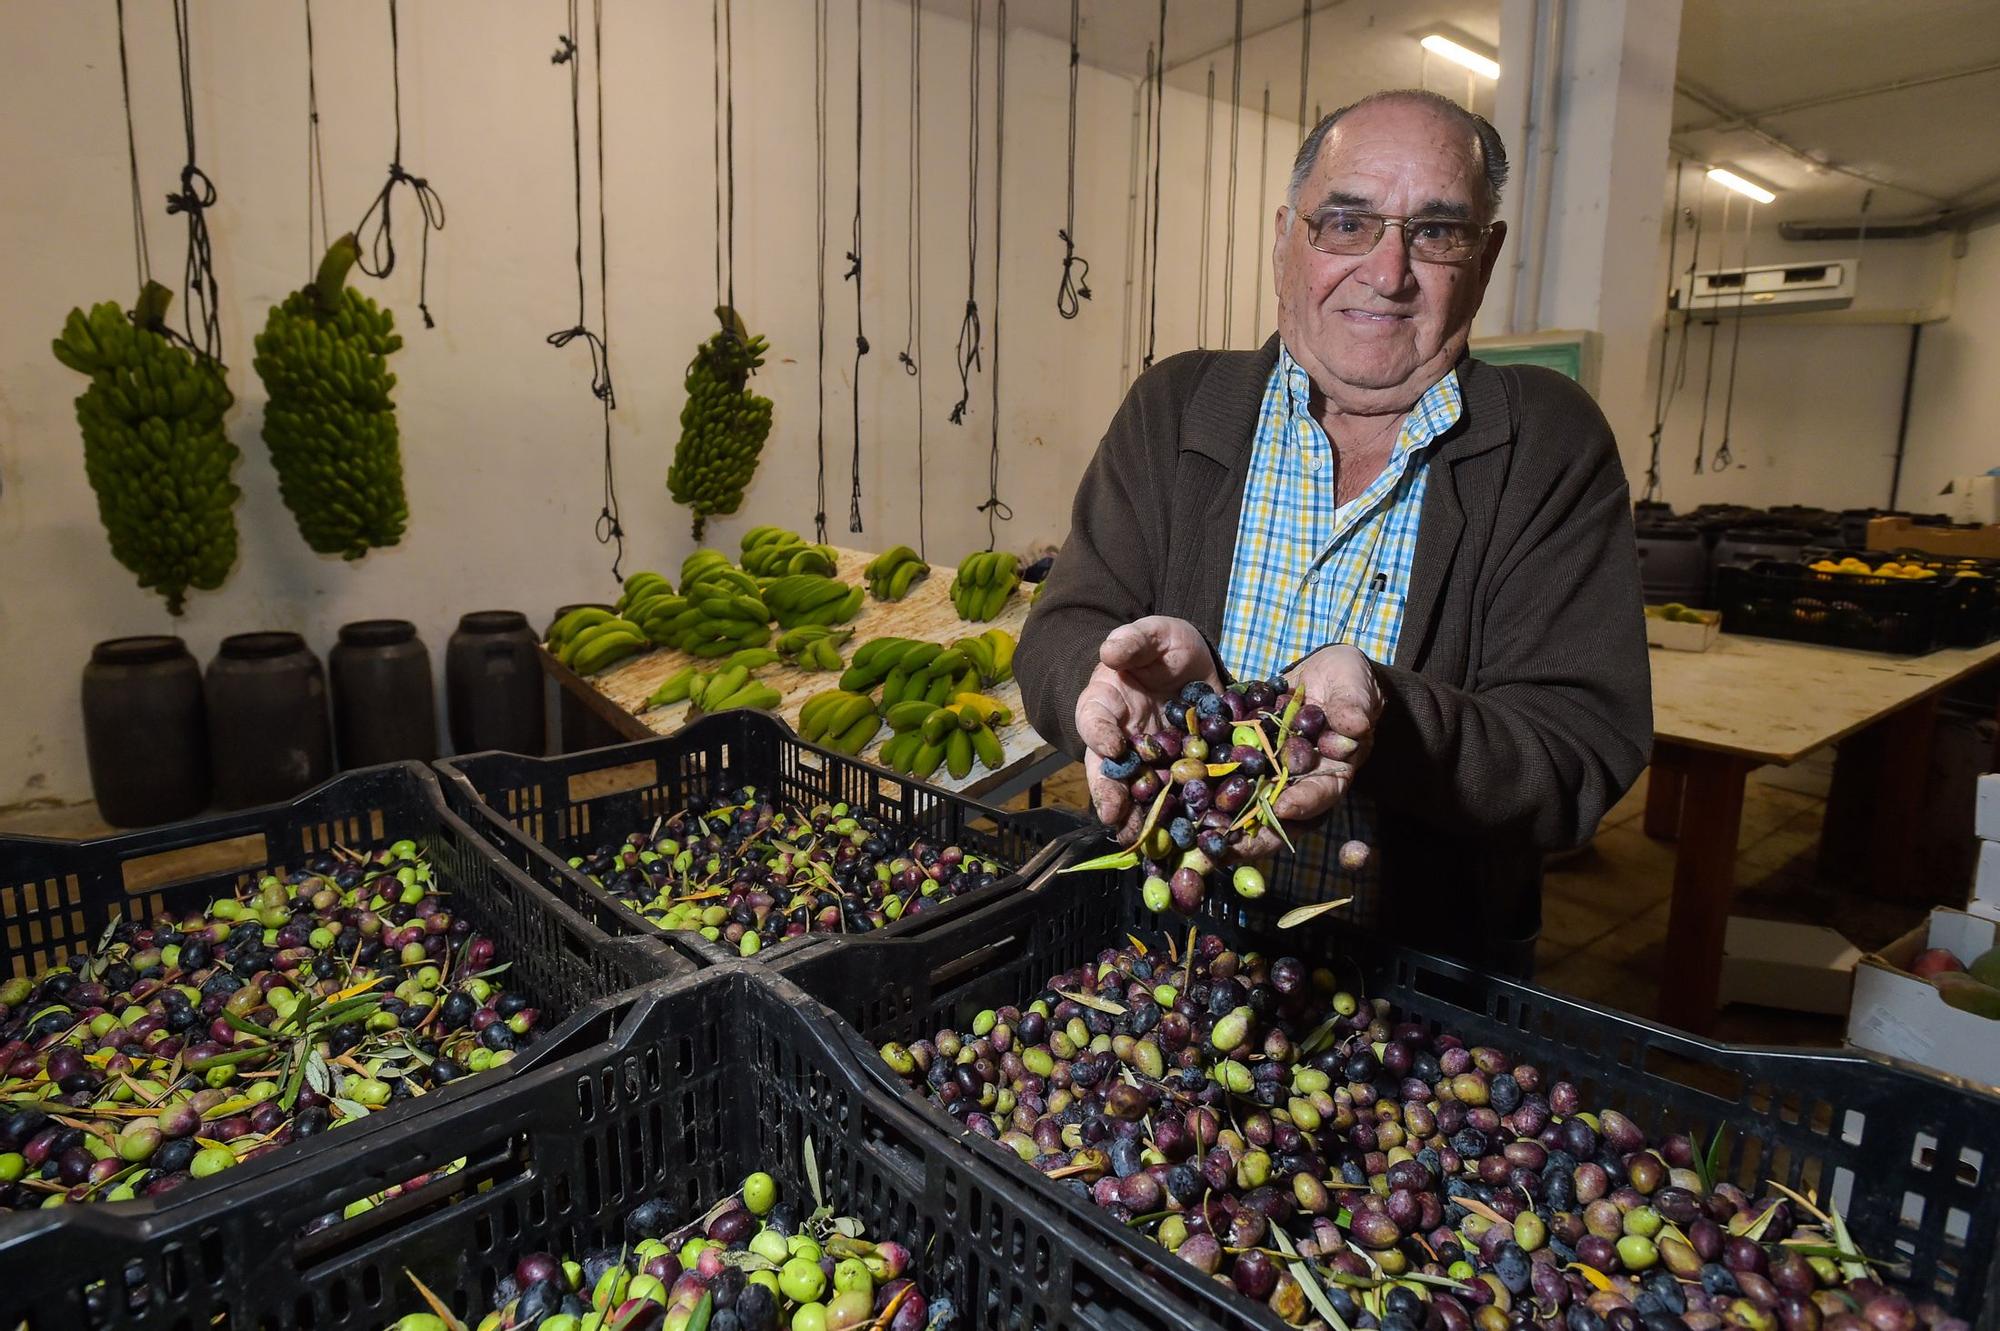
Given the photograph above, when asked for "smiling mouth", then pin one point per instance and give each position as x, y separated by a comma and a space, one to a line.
1373, 316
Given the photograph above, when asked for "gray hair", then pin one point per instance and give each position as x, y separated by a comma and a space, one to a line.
1492, 152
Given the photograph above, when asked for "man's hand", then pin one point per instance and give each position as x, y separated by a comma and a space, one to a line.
1340, 681
1140, 666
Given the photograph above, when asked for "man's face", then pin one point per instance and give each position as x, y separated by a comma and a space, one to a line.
1376, 330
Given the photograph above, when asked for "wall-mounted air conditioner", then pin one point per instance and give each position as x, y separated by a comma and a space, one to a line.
1778, 288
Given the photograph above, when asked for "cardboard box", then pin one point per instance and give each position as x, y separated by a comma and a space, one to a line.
1986, 816
1951, 542
1974, 499
1897, 1014
1985, 901
1682, 636
1796, 967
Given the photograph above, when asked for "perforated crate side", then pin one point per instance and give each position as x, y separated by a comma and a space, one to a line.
709, 1080
1908, 1157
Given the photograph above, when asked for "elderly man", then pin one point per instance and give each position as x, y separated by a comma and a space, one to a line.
1436, 550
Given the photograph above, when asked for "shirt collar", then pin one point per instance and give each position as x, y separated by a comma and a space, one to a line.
1435, 412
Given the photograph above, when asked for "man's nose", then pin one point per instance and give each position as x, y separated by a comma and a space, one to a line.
1386, 269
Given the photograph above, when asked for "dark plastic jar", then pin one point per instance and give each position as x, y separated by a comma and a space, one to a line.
577, 727
384, 702
268, 733
493, 684
144, 731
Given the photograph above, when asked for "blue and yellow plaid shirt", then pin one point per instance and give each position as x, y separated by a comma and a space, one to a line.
1310, 571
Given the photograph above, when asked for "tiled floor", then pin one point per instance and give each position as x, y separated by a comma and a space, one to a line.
1604, 908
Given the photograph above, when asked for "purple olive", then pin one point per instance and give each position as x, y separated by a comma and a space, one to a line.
1255, 1275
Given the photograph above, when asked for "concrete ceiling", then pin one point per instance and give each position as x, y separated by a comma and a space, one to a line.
1826, 99
1358, 46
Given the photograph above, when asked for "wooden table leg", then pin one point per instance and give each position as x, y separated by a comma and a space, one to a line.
1704, 881
1663, 793
1898, 804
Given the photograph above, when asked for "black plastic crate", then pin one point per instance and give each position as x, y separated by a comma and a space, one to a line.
1910, 1158
538, 812
57, 897
1972, 609
1771, 599
706, 1080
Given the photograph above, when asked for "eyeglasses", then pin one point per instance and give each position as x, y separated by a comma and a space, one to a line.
1352, 232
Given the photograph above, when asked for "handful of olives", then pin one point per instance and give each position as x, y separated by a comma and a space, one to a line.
174, 1050
1295, 1140
1208, 781
751, 1263
741, 870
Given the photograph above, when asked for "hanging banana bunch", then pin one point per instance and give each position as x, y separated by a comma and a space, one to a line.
154, 447
723, 424
330, 424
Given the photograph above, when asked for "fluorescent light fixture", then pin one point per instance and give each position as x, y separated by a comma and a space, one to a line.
1730, 180
1440, 45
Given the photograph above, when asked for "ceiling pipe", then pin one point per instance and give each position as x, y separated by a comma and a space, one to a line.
1744, 119
1952, 219
1548, 75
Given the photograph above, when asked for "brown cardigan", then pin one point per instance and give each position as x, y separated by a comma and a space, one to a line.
1518, 708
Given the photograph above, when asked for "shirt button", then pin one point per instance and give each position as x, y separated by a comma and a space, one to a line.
1312, 579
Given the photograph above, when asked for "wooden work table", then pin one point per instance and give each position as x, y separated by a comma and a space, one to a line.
618, 695
1749, 702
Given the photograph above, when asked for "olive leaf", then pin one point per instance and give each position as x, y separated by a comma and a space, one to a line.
1300, 914
1308, 1282
349, 1108
702, 1312
1093, 1002
1117, 859
812, 1172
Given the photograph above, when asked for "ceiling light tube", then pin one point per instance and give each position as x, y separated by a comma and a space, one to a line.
1440, 45
1730, 180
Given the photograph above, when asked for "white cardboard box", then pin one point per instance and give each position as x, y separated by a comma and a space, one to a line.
1974, 499
1796, 967
1986, 815
1898, 1014
1985, 901
1677, 635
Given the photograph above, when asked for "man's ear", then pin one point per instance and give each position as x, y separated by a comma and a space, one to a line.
1495, 242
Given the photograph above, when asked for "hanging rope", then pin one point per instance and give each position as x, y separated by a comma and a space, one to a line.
913, 278
196, 196
1074, 288
854, 276
1722, 459
1159, 127
722, 31
378, 252
1305, 63
1263, 183
1714, 333
315, 164
141, 253
1694, 261
1661, 399
995, 508
1235, 139
1207, 215
819, 255
968, 329
609, 530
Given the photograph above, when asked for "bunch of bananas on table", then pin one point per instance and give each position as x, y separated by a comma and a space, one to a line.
841, 720
330, 424
929, 735
909, 669
810, 599
723, 424
984, 582
813, 646
891, 573
772, 552
723, 612
590, 638
650, 601
730, 685
154, 447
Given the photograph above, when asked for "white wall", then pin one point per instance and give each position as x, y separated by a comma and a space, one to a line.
1816, 404
1955, 413
501, 435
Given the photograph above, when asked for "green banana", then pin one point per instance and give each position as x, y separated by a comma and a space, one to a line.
154, 448
674, 688
986, 745
723, 424
958, 753
330, 422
